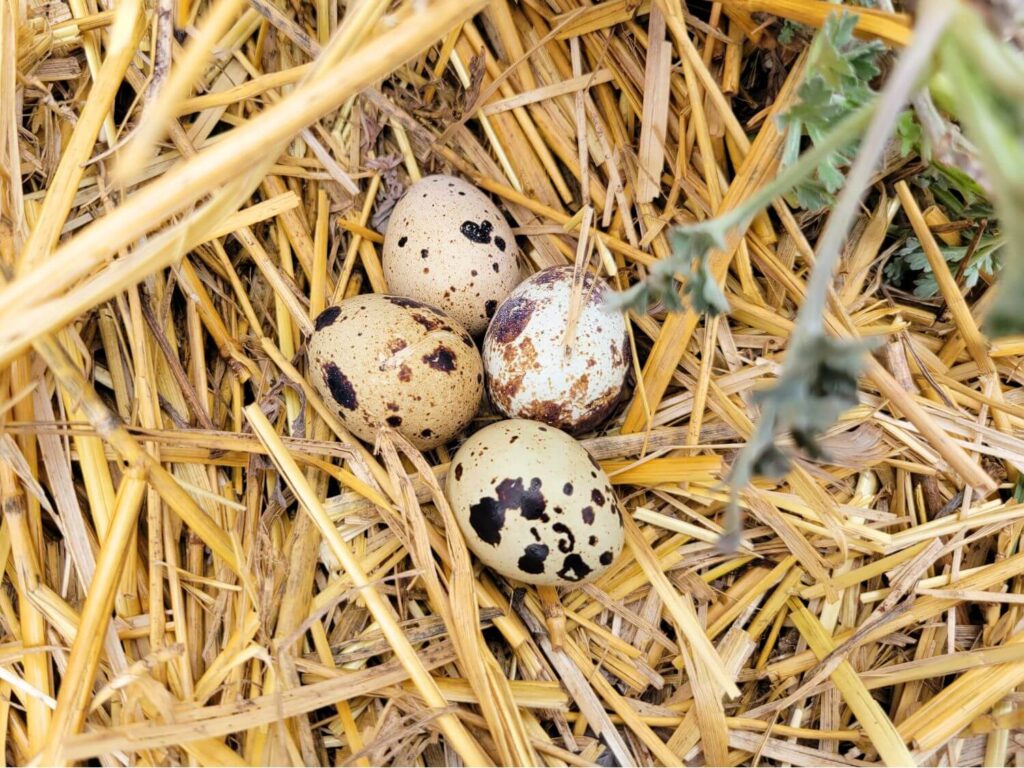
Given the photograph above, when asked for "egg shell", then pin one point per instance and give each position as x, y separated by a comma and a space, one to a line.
447, 244
529, 373
533, 505
378, 359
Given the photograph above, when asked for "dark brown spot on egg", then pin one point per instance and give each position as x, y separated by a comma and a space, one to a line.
495, 267
477, 233
424, 253
473, 273
404, 373
588, 515
567, 542
530, 501
551, 275
592, 541
511, 319
489, 306
567, 489
597, 497
326, 318
503, 391
533, 558
393, 407
340, 387
394, 421
607, 557
513, 439
487, 517
500, 242
396, 345
431, 323
402, 241
441, 359
547, 411
573, 568
426, 432
402, 301
458, 471
534, 533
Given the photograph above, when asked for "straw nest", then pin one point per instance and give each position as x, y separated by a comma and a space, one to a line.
202, 567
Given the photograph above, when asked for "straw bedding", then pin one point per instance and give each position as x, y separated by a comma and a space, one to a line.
201, 566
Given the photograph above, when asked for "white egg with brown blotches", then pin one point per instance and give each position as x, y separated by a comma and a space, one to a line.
531, 374
447, 244
533, 505
387, 360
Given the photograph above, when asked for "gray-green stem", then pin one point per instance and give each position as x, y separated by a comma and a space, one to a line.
933, 17
789, 177
883, 114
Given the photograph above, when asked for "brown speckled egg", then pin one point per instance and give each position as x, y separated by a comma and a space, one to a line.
529, 373
379, 360
447, 244
534, 505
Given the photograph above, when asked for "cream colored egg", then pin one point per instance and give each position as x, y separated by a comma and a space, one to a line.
534, 505
531, 374
387, 360
447, 244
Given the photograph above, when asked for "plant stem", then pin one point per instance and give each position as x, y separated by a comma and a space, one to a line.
933, 17
883, 114
850, 128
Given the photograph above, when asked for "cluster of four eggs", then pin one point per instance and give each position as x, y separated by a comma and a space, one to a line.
525, 493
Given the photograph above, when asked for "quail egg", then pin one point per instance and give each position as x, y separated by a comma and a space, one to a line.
390, 360
447, 244
534, 505
531, 374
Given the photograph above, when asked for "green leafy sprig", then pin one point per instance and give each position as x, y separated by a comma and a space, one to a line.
840, 69
693, 244
910, 263
987, 77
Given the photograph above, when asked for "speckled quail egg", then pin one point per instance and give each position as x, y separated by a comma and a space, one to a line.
531, 374
447, 244
380, 359
533, 504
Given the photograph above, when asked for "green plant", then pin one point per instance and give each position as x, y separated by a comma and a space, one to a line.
841, 116
840, 69
909, 264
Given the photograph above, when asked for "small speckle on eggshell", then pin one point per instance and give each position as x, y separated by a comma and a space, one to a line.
526, 506
447, 223
529, 373
389, 360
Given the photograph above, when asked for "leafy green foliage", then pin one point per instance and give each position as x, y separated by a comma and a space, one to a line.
691, 247
818, 383
909, 132
956, 192
910, 265
840, 69
791, 31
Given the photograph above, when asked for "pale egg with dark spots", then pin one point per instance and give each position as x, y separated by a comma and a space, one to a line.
387, 360
533, 505
533, 374
447, 244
